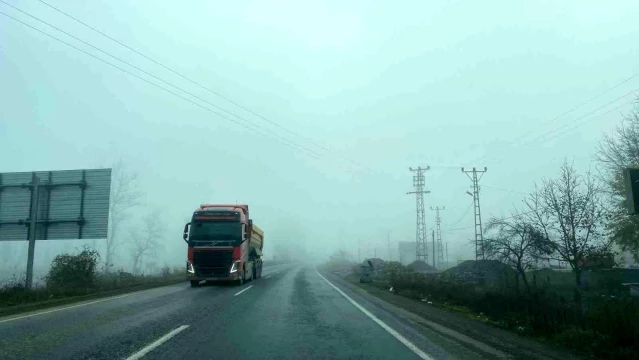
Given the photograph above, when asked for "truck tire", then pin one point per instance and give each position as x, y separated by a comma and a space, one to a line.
195, 283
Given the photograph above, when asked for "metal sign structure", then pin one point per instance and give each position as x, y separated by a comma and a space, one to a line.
631, 178
54, 205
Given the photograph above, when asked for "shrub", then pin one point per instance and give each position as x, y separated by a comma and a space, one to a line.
617, 319
71, 274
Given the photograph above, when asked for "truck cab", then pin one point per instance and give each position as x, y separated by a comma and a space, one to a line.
223, 245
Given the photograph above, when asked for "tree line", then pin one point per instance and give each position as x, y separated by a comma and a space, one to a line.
578, 218
141, 241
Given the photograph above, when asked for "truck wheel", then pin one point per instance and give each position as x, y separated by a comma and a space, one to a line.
195, 283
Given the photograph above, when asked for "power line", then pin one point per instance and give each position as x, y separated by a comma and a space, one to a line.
583, 116
457, 229
314, 154
463, 215
504, 189
584, 103
517, 138
573, 128
589, 120
204, 87
147, 81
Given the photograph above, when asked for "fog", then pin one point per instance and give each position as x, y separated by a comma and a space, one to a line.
348, 95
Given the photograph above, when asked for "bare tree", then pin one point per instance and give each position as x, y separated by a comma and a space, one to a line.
615, 152
570, 212
146, 240
516, 242
124, 196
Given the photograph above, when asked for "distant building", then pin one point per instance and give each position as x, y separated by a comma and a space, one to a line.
407, 252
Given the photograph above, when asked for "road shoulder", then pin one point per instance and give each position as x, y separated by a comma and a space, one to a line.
482, 338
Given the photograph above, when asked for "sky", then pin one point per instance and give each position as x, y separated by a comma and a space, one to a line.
344, 97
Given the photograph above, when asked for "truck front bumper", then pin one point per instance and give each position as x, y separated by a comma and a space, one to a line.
199, 277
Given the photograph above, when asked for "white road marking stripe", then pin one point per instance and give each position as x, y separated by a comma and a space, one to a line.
379, 322
268, 276
74, 306
243, 290
156, 343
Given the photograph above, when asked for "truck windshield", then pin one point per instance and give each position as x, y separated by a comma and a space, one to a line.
219, 232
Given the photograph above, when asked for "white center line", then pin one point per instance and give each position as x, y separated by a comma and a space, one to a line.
238, 293
379, 322
156, 343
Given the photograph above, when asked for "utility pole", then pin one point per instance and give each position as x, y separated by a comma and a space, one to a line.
359, 258
434, 263
388, 245
447, 253
479, 235
440, 246
420, 234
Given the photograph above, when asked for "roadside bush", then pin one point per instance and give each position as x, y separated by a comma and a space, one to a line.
617, 319
582, 340
73, 274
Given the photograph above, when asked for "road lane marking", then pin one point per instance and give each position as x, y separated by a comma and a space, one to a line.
379, 322
243, 290
74, 306
156, 343
268, 276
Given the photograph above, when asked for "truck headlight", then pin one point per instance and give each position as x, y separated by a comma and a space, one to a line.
190, 268
234, 267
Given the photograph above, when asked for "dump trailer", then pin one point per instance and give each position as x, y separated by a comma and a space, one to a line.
223, 245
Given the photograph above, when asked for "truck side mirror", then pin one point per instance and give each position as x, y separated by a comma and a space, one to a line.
185, 234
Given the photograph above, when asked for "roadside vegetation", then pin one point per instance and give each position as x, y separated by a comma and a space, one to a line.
76, 276
578, 220
600, 319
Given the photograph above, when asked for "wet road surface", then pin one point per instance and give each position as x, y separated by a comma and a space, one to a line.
292, 312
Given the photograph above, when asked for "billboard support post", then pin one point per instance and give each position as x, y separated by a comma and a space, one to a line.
33, 222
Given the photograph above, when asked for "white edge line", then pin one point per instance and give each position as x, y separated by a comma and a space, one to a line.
238, 293
156, 343
379, 322
77, 305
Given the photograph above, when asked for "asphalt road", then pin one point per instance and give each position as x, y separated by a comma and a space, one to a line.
292, 312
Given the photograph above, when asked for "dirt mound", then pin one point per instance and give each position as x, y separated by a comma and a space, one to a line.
421, 266
488, 270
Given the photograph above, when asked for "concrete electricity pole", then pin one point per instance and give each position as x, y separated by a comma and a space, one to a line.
440, 245
447, 253
389, 247
479, 235
420, 236
434, 263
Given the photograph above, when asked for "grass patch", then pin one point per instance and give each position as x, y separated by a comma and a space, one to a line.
15, 298
600, 321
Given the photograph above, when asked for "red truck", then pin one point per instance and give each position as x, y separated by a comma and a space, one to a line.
224, 245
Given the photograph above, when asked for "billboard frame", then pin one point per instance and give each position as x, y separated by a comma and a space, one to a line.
35, 208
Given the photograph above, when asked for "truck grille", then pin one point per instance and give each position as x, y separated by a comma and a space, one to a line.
213, 263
